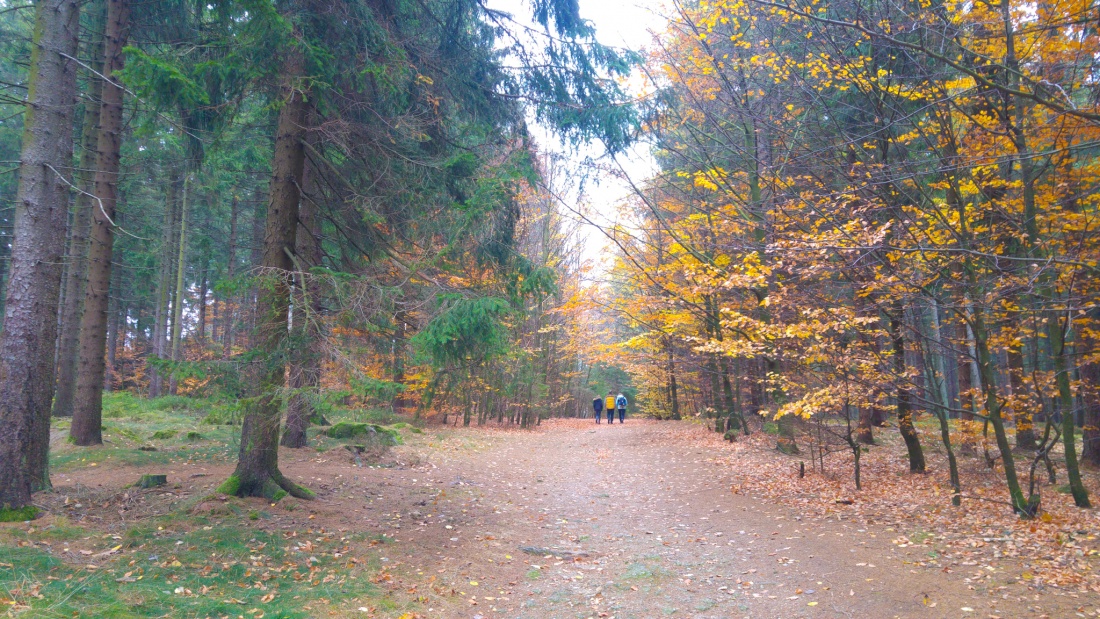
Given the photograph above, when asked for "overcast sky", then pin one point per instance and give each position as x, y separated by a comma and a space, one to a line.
619, 23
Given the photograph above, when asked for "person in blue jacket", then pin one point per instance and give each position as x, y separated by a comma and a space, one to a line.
597, 406
620, 405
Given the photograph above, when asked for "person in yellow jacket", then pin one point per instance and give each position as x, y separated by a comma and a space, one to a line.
609, 405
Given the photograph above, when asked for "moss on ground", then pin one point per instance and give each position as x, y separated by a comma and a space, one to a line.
27, 512
186, 566
230, 487
352, 429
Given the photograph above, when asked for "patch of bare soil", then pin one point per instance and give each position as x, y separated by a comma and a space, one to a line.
576, 520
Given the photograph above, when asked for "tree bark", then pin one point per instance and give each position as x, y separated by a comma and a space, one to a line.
864, 429
305, 358
256, 259
200, 331
966, 375
34, 283
1025, 427
76, 274
114, 313
1090, 432
160, 315
1056, 333
230, 272
257, 472
905, 408
673, 390
993, 405
86, 428
181, 291
786, 442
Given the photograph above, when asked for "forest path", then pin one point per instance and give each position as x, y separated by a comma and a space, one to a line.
663, 533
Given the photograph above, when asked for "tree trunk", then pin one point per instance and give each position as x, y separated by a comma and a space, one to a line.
905, 409
937, 395
76, 274
1025, 428
673, 392
257, 472
230, 272
115, 313
1090, 375
160, 317
731, 413
786, 442
88, 406
864, 432
181, 291
305, 366
712, 361
966, 375
256, 259
34, 281
1056, 333
200, 331
993, 406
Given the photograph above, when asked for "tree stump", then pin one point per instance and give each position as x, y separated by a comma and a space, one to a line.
152, 481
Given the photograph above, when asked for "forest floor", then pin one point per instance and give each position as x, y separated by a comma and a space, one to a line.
571, 520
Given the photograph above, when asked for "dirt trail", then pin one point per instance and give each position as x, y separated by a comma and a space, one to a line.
636, 523
626, 521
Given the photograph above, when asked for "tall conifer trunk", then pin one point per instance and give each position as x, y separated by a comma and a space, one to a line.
181, 291
76, 274
34, 281
257, 472
164, 277
115, 313
88, 406
305, 359
230, 272
255, 262
200, 330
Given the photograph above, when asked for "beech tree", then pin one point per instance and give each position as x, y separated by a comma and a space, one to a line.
881, 214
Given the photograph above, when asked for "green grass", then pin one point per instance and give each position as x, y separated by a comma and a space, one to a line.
221, 564
27, 512
181, 566
170, 425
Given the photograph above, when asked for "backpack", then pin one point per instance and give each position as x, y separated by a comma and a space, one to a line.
620, 402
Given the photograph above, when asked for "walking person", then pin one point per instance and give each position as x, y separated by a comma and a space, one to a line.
609, 406
620, 406
597, 406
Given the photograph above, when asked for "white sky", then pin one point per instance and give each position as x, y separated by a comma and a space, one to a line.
619, 23
630, 24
